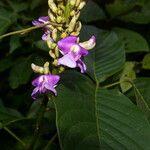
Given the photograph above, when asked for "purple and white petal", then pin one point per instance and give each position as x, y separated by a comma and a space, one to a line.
66, 43
36, 82
35, 93
43, 19
36, 23
50, 88
46, 35
81, 65
89, 44
52, 79
67, 60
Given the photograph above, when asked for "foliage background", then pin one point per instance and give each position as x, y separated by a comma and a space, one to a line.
87, 113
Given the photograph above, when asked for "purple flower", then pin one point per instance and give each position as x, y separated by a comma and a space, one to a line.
40, 21
73, 52
44, 83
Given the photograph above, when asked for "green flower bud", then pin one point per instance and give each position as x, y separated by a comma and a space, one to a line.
51, 16
46, 68
37, 69
72, 24
52, 6
54, 34
81, 5
59, 19
52, 54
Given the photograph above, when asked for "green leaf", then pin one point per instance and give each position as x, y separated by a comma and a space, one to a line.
92, 118
7, 114
143, 87
20, 73
122, 125
18, 6
133, 41
42, 45
120, 7
14, 43
5, 63
146, 62
128, 73
108, 57
34, 4
5, 20
92, 12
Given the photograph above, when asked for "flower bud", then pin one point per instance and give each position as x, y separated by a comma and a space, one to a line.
46, 68
61, 69
37, 69
79, 26
72, 24
52, 6
77, 3
51, 16
59, 19
57, 51
54, 34
72, 2
60, 28
63, 35
52, 54
72, 13
81, 5
55, 62
49, 43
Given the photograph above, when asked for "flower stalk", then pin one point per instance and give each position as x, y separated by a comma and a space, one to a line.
23, 31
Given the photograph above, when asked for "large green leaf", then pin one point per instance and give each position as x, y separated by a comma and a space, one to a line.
7, 114
143, 85
5, 20
20, 72
91, 118
107, 57
134, 42
6, 63
92, 12
140, 16
146, 61
119, 7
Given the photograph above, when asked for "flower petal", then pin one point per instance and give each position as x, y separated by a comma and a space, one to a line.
52, 79
66, 43
36, 82
35, 93
51, 88
40, 21
81, 65
67, 60
89, 44
45, 36
43, 19
83, 51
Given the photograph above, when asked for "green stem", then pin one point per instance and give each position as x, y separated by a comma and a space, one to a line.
13, 135
28, 29
38, 123
113, 84
50, 142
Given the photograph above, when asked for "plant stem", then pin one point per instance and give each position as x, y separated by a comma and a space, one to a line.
50, 142
39, 122
28, 29
13, 135
113, 84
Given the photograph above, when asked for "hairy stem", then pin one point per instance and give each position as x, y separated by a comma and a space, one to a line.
39, 122
50, 142
28, 29
13, 135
